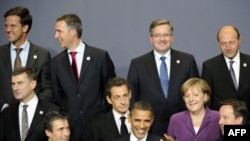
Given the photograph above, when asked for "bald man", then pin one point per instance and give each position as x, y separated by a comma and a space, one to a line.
228, 74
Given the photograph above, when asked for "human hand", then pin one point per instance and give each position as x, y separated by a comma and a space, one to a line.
167, 138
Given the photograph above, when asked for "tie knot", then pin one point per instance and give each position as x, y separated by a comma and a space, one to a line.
73, 53
231, 62
163, 58
122, 119
25, 107
18, 50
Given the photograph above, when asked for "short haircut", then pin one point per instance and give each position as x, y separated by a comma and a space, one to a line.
239, 108
27, 70
51, 117
198, 82
141, 105
114, 82
159, 22
72, 21
23, 13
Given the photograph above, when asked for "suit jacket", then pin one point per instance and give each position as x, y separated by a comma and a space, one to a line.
40, 65
145, 84
85, 99
104, 128
217, 75
10, 122
181, 127
150, 137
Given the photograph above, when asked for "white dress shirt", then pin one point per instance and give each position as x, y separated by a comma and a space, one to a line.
117, 117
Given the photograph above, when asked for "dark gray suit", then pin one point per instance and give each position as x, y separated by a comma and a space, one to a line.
104, 128
40, 65
145, 84
217, 75
85, 99
150, 137
10, 122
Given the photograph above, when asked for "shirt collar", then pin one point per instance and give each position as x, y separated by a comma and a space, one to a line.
31, 103
158, 56
80, 48
24, 46
117, 115
134, 138
235, 59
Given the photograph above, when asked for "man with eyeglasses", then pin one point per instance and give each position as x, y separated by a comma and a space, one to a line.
228, 74
156, 77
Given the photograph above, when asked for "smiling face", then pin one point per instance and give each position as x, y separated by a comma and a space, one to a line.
195, 99
141, 121
229, 41
65, 35
15, 31
161, 38
227, 117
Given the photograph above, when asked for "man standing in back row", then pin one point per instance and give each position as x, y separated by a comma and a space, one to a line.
79, 75
21, 52
157, 76
228, 74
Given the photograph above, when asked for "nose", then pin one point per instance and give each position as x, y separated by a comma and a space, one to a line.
142, 124
66, 132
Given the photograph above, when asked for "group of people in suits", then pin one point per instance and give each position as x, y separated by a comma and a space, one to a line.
80, 91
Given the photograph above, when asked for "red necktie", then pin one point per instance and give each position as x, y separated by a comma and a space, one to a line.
74, 65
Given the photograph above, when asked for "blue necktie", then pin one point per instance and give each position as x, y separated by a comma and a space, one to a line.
164, 76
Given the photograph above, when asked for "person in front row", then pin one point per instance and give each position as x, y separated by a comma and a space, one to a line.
109, 126
57, 126
198, 122
141, 118
232, 112
23, 121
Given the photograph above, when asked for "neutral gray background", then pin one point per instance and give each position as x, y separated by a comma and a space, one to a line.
122, 26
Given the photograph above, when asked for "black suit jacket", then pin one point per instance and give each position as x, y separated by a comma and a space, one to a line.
145, 84
217, 75
40, 64
10, 122
104, 128
85, 99
150, 137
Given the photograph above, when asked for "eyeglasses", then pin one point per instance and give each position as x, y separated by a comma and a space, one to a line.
165, 35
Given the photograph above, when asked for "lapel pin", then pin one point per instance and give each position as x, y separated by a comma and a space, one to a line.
35, 56
41, 112
178, 61
244, 64
88, 58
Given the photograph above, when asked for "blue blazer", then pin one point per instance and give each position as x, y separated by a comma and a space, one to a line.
181, 127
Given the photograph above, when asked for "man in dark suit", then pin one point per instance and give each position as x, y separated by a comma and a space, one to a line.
18, 22
108, 126
216, 71
144, 75
12, 120
79, 88
56, 126
141, 119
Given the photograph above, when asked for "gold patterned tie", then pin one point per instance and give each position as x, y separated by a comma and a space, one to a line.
17, 62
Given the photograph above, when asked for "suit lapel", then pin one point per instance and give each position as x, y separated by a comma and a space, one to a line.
38, 117
111, 124
243, 69
7, 59
16, 121
32, 56
223, 70
87, 59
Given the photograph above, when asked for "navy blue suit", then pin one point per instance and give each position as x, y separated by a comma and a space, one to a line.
145, 84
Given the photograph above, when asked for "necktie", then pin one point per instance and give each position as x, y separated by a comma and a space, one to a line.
124, 130
17, 62
164, 76
74, 65
25, 126
233, 74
